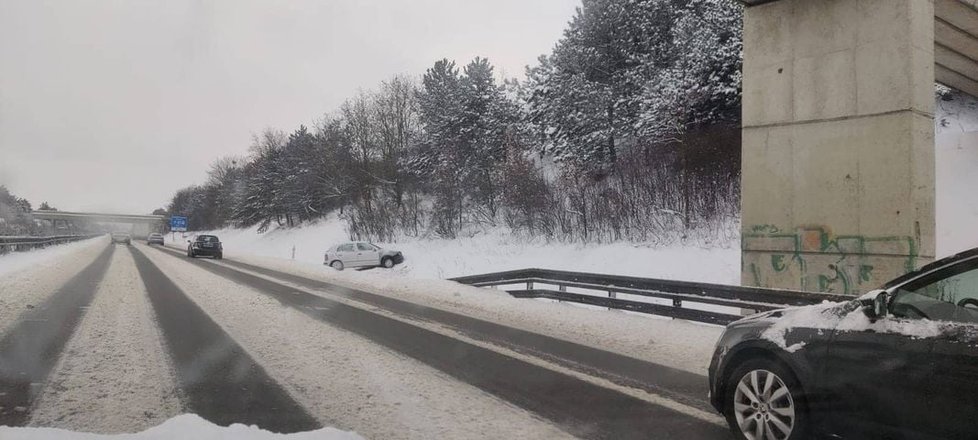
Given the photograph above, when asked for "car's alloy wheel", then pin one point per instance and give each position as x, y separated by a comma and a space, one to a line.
388, 263
338, 265
763, 406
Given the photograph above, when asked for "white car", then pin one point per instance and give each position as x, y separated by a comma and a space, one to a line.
361, 254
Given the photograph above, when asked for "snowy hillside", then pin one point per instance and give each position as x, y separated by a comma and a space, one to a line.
496, 251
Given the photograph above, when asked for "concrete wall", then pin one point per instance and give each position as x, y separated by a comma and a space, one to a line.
838, 142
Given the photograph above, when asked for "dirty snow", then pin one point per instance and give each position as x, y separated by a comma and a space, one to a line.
115, 375
29, 278
187, 426
369, 389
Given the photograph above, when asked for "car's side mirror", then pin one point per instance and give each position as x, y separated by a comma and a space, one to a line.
878, 309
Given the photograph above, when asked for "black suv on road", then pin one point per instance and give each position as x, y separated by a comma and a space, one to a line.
205, 245
900, 363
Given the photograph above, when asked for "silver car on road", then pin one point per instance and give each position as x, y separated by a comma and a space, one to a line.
361, 254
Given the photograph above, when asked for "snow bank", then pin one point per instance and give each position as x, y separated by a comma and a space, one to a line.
16, 261
495, 251
27, 279
187, 426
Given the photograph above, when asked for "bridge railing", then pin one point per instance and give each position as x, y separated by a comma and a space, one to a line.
691, 301
18, 244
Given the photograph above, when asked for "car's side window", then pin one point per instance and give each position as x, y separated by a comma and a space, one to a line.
364, 247
947, 295
346, 248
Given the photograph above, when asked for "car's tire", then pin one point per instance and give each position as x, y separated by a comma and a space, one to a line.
336, 264
219, 256
387, 262
781, 404
968, 302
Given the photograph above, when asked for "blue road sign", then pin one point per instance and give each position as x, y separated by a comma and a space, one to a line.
178, 224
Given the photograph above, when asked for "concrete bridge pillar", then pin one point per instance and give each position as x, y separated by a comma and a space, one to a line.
838, 142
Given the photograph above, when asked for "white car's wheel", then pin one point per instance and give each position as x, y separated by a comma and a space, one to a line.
387, 262
338, 265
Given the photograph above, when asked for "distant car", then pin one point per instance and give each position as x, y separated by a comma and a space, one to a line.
121, 237
205, 245
154, 238
361, 254
900, 362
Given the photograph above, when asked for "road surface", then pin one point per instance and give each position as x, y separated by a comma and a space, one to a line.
140, 334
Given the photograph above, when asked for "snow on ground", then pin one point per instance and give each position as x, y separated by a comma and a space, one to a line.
344, 379
493, 251
28, 278
115, 374
18, 261
187, 426
675, 343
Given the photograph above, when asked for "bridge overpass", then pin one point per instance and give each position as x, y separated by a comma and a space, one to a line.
838, 136
140, 225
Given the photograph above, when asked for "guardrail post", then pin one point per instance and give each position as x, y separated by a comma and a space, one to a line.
529, 285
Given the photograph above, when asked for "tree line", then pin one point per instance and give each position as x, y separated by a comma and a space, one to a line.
628, 130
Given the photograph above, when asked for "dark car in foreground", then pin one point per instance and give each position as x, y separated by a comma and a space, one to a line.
154, 238
900, 362
205, 246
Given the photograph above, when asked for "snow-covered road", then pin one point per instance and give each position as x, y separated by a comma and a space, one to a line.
266, 342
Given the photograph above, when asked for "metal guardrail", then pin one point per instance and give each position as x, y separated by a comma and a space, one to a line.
18, 244
679, 292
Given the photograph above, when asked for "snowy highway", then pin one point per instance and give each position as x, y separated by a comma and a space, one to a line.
120, 338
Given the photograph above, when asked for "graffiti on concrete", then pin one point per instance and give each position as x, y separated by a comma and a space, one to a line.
814, 259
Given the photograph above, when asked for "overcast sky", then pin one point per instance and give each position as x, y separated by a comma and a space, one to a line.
113, 105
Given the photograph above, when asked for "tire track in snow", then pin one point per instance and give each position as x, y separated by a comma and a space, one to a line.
682, 386
219, 380
115, 375
31, 349
582, 408
346, 380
